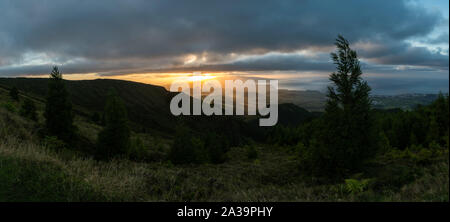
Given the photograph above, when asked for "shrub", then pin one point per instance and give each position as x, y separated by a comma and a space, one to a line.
184, 150
216, 147
355, 186
137, 150
14, 93
9, 106
394, 176
28, 109
53, 143
96, 118
251, 152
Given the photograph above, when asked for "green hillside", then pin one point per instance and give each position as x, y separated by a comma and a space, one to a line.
35, 167
147, 104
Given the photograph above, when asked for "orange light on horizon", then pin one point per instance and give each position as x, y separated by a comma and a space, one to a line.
164, 79
200, 77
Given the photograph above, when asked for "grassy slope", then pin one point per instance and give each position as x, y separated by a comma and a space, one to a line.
147, 104
31, 171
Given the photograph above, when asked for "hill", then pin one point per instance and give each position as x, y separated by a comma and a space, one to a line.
36, 169
314, 101
147, 104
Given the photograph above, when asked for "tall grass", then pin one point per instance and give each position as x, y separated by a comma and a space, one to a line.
31, 170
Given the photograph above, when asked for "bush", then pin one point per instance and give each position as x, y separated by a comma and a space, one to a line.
9, 106
14, 93
355, 186
216, 147
251, 152
53, 143
184, 149
137, 150
28, 109
394, 176
96, 118
188, 148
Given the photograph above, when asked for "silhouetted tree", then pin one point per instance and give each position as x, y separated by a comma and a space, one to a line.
114, 139
440, 112
216, 146
14, 93
182, 150
58, 109
346, 136
28, 109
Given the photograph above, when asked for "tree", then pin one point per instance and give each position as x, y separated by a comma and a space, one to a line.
216, 147
58, 109
184, 149
114, 139
346, 135
440, 116
28, 109
14, 93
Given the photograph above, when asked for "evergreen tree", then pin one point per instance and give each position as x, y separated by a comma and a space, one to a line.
345, 139
28, 109
216, 146
183, 150
114, 139
58, 109
441, 116
14, 93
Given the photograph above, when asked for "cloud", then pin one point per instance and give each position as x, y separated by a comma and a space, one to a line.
401, 53
115, 37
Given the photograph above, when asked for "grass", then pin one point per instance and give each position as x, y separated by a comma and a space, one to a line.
28, 181
33, 173
31, 170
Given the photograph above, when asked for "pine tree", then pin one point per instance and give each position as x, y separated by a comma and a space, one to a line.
182, 150
346, 137
58, 109
441, 115
114, 139
216, 147
14, 93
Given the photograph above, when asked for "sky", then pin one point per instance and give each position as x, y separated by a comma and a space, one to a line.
402, 45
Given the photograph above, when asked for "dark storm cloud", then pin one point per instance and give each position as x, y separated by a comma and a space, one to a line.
138, 36
268, 62
401, 53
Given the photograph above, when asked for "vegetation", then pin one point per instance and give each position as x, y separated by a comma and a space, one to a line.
114, 139
14, 93
58, 109
343, 139
28, 109
349, 153
33, 171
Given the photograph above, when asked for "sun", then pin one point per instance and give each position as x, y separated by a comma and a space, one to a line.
201, 77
